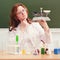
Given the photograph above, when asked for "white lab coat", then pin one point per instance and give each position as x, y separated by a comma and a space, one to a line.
30, 39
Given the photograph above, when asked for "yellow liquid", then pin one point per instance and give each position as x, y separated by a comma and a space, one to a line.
23, 52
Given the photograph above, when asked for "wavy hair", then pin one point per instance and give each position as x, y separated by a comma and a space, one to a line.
14, 22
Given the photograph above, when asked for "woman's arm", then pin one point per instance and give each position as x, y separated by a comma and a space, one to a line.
48, 34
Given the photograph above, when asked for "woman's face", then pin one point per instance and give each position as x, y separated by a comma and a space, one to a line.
22, 13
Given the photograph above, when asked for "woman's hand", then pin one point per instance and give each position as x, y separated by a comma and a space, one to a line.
43, 23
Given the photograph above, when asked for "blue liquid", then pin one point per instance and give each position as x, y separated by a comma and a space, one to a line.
55, 51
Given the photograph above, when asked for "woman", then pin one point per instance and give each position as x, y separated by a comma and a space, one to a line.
30, 34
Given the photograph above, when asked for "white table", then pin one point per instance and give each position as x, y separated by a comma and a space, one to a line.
41, 18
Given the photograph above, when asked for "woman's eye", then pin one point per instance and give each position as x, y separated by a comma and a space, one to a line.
23, 10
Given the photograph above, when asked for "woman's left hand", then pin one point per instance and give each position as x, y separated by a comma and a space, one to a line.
44, 24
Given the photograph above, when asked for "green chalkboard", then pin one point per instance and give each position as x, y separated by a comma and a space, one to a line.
32, 5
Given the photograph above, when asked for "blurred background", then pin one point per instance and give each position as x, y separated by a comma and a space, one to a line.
32, 5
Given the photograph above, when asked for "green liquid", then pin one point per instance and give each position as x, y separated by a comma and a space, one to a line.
17, 39
42, 51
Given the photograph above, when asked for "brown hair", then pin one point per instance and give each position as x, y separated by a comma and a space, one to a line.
14, 22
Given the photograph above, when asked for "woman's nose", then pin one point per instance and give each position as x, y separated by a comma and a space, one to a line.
22, 13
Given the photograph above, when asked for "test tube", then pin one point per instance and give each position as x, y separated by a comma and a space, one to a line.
17, 47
